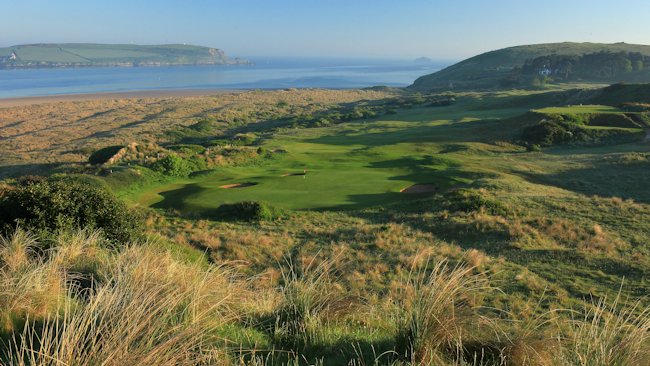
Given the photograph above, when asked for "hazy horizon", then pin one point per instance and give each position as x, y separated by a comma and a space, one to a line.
444, 30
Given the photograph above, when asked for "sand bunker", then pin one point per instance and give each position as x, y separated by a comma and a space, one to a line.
237, 185
419, 188
293, 174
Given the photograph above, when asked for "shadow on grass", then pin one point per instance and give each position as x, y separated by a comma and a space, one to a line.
17, 170
475, 131
175, 199
605, 179
344, 349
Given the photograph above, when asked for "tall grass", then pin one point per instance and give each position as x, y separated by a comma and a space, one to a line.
608, 335
147, 308
435, 312
28, 285
16, 250
308, 298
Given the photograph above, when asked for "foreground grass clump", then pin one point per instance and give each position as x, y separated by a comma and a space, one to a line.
144, 309
309, 297
435, 313
604, 334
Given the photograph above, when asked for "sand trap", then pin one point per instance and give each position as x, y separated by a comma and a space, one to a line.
237, 185
293, 174
419, 188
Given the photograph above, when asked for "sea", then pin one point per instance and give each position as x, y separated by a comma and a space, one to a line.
264, 73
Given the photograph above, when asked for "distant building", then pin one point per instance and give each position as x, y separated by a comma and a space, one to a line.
545, 72
13, 56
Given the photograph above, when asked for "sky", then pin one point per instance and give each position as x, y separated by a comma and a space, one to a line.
439, 29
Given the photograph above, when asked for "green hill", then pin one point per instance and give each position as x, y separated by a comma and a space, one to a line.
88, 54
623, 94
532, 65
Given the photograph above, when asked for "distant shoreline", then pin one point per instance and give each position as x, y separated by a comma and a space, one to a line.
22, 101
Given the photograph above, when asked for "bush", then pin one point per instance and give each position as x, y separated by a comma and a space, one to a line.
175, 166
248, 211
49, 206
102, 155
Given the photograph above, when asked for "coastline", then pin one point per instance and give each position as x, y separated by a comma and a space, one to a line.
23, 101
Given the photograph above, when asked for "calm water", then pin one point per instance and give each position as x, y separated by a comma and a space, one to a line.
269, 73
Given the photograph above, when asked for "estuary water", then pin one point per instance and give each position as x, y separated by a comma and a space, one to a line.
265, 73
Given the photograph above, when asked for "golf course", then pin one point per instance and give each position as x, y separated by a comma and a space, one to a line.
376, 226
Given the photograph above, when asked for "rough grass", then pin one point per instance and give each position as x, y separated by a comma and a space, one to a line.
149, 308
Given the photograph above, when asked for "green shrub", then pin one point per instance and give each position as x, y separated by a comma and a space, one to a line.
248, 211
176, 166
54, 205
102, 155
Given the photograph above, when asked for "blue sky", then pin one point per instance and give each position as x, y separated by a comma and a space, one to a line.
442, 29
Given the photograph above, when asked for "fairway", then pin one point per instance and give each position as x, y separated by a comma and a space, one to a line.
352, 166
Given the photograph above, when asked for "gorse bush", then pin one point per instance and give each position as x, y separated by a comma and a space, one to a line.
53, 205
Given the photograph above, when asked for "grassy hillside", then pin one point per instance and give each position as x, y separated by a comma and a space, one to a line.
491, 69
472, 266
619, 94
80, 54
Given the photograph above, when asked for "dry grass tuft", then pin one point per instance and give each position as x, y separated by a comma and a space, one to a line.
436, 306
607, 334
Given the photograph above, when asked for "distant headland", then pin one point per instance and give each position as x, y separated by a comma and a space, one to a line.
72, 55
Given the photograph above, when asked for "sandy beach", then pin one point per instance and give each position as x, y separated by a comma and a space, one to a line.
21, 101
